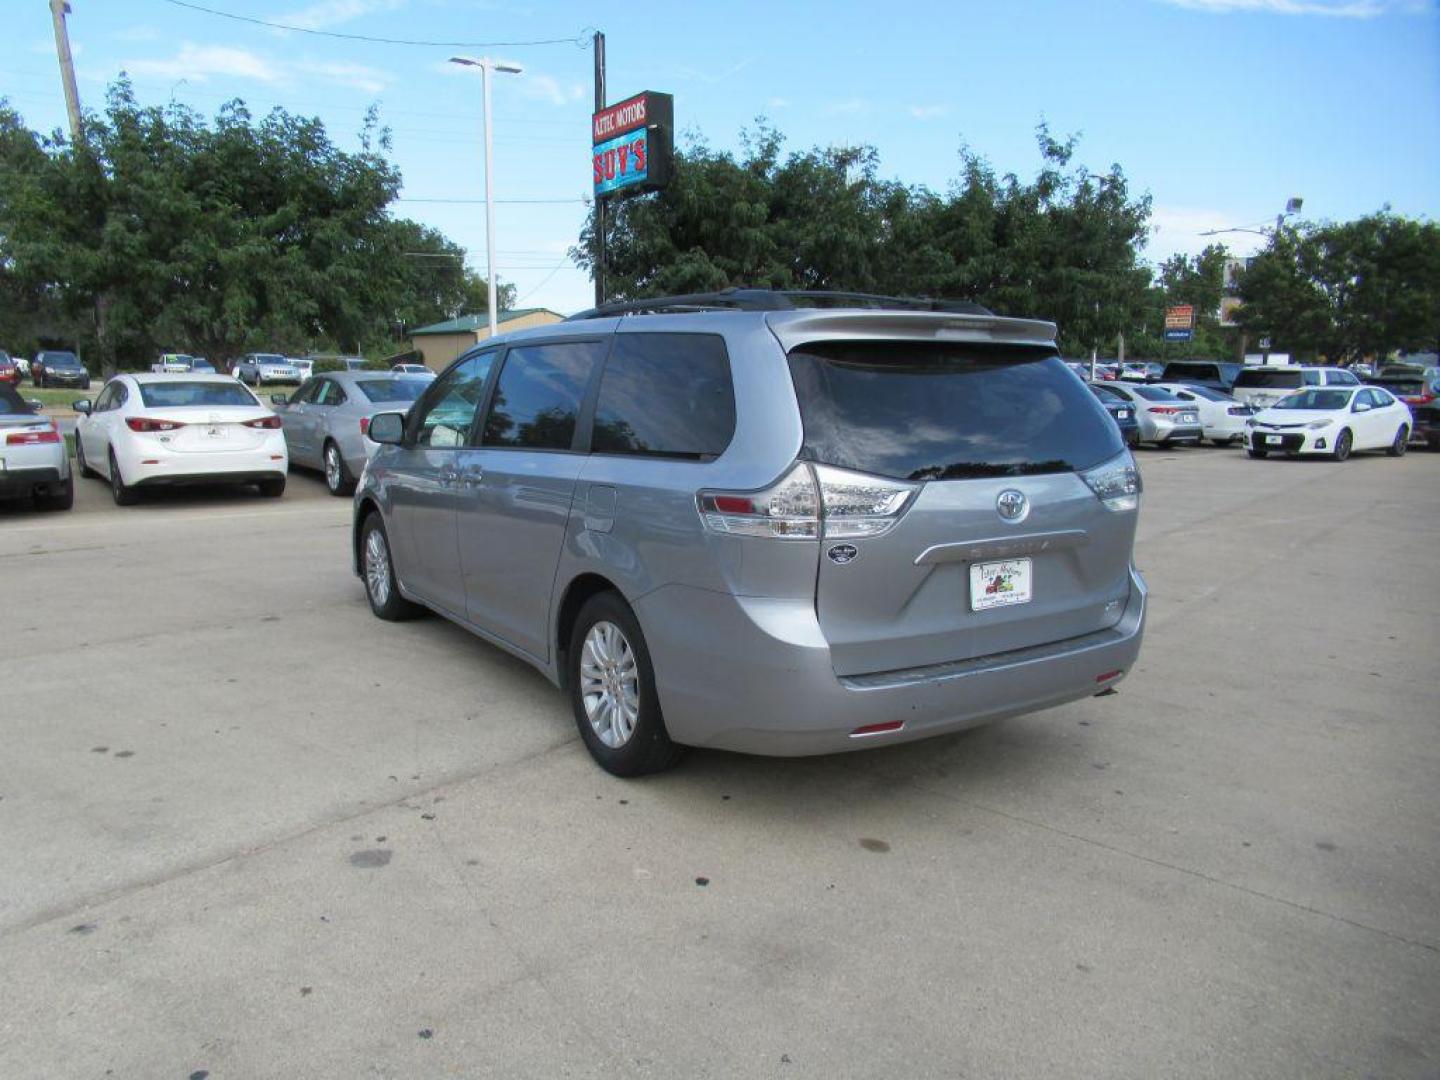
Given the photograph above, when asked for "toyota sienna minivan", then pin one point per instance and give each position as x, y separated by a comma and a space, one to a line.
778, 523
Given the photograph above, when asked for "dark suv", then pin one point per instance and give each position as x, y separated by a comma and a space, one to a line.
738, 521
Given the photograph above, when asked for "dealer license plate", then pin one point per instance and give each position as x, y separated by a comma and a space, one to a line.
1272, 440
999, 584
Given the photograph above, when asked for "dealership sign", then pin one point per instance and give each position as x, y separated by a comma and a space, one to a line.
1179, 322
632, 144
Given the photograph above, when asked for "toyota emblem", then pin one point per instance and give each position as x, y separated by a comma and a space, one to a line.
1012, 505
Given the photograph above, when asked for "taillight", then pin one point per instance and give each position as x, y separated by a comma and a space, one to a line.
32, 438
1163, 410
1116, 483
364, 425
148, 423
810, 501
267, 422
1419, 399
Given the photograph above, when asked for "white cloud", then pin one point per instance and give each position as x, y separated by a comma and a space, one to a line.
928, 112
329, 13
542, 87
357, 76
712, 77
198, 62
849, 107
1179, 229
1339, 9
778, 103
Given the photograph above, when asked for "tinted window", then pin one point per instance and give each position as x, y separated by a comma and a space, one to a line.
184, 395
306, 393
1315, 399
331, 393
1208, 394
448, 412
667, 395
1404, 387
1152, 393
1105, 393
393, 389
1342, 378
11, 403
1312, 378
919, 411
537, 398
1268, 379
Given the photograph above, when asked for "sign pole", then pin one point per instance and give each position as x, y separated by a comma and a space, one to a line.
599, 199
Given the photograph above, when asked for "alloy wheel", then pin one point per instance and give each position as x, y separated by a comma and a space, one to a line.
610, 684
377, 568
332, 467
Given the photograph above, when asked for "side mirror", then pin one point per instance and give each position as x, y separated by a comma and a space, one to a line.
82, 406
279, 399
387, 428
35, 404
1360, 406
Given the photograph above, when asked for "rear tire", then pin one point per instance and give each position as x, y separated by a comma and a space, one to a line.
272, 489
377, 570
612, 690
1343, 445
1402, 440
337, 477
124, 494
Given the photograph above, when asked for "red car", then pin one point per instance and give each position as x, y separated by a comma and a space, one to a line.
9, 370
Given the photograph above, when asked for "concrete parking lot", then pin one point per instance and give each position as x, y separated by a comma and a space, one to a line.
251, 831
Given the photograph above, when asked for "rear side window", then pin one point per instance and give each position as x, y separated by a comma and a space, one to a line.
666, 395
1261, 379
918, 411
537, 398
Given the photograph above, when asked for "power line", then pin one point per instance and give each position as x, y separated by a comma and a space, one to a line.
579, 41
498, 202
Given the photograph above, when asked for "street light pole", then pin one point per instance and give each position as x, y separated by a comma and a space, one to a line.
486, 66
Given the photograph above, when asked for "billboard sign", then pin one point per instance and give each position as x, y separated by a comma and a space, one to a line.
1179, 335
631, 145
1179, 317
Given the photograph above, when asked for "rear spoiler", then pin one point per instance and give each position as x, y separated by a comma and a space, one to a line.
795, 328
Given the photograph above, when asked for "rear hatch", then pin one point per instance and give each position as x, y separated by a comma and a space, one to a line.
1003, 544
203, 416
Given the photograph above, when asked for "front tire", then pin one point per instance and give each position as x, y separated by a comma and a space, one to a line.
124, 494
612, 691
337, 476
1343, 446
1402, 440
1257, 453
377, 568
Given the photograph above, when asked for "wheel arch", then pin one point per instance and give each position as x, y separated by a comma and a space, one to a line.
366, 507
580, 589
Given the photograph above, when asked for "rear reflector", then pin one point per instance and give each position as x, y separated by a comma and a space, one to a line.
1108, 676
877, 729
364, 425
32, 438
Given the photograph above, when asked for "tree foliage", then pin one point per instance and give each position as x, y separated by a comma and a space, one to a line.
1061, 246
1359, 288
159, 230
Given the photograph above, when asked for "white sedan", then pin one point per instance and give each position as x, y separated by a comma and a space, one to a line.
1222, 417
1335, 420
147, 430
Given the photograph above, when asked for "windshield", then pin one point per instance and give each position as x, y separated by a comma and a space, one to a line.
922, 411
1269, 379
270, 358
198, 395
1315, 399
398, 389
11, 403
59, 359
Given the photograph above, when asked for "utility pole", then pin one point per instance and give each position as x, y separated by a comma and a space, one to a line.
58, 10
599, 199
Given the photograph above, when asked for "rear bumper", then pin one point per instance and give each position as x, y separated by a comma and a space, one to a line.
1173, 433
755, 676
266, 462
20, 483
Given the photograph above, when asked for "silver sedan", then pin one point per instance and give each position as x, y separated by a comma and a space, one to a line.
326, 419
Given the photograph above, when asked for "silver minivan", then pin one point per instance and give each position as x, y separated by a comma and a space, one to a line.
776, 523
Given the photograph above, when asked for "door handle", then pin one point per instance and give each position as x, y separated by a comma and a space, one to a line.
447, 477
472, 478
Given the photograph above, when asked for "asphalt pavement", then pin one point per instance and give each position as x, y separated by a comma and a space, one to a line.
248, 830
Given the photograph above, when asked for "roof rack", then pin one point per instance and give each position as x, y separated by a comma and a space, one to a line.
735, 299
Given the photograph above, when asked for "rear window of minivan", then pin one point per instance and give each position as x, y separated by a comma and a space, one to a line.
921, 411
1269, 379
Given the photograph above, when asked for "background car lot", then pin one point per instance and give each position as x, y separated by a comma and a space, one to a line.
295, 840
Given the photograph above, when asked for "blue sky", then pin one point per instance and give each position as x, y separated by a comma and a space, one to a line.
1220, 109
